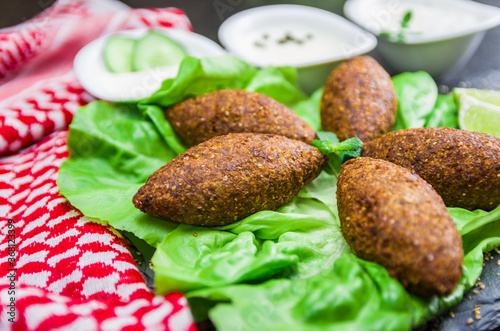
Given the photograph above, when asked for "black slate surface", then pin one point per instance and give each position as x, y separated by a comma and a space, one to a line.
480, 308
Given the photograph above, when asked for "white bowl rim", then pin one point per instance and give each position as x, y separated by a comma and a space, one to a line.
224, 32
493, 21
91, 55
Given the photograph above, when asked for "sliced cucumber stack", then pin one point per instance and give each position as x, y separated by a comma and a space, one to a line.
155, 49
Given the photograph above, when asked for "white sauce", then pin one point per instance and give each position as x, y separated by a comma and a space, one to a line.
429, 18
293, 44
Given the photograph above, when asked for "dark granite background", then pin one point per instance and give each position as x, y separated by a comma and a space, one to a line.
483, 71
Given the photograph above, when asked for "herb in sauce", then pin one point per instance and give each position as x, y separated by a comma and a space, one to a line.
404, 25
400, 37
293, 44
286, 39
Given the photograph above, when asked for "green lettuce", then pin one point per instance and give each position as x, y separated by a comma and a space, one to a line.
445, 112
200, 76
308, 110
420, 105
113, 150
283, 269
351, 295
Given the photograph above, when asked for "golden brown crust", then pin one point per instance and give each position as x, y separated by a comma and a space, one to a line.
231, 111
389, 215
359, 100
462, 166
230, 177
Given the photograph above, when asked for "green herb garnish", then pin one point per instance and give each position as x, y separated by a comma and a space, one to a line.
337, 152
404, 25
406, 19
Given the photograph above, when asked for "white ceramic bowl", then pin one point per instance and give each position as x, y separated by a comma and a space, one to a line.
93, 75
440, 38
311, 39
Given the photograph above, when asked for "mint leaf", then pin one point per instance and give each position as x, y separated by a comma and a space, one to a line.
327, 135
354, 145
337, 152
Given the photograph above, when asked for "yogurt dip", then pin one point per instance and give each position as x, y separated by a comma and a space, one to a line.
293, 44
430, 19
439, 37
292, 35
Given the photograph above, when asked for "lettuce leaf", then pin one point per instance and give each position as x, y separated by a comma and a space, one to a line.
200, 76
113, 150
351, 295
420, 105
283, 269
445, 113
308, 110
417, 94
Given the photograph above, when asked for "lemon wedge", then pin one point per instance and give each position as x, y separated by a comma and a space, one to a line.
489, 96
479, 110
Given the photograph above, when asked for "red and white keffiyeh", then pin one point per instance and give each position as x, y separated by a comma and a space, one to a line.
59, 270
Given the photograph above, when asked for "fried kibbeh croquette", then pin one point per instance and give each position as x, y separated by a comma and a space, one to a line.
230, 177
391, 216
462, 166
359, 100
232, 111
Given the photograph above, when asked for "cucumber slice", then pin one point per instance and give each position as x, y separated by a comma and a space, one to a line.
156, 50
118, 53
